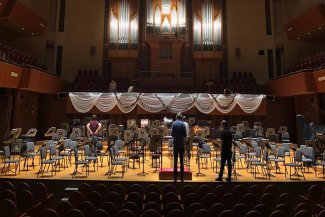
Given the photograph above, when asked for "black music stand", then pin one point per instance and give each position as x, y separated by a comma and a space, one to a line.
143, 154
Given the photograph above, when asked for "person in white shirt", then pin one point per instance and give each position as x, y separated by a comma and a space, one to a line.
112, 86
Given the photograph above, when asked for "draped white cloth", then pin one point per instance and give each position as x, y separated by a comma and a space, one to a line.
156, 102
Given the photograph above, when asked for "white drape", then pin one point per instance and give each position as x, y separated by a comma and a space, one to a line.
156, 102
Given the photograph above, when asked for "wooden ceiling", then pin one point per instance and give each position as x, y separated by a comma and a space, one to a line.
308, 26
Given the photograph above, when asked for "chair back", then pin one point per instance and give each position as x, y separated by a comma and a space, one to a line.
6, 151
30, 147
76, 156
119, 144
258, 152
298, 156
206, 149
43, 153
67, 143
281, 152
112, 152
87, 150
49, 143
73, 145
265, 155
273, 148
286, 147
243, 149
52, 149
303, 149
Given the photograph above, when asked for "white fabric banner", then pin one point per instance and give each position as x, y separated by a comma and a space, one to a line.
156, 102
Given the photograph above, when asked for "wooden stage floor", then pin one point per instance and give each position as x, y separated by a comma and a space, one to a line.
131, 175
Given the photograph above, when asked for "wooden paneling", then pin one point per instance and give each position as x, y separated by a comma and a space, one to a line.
292, 85
307, 25
35, 80
10, 75
319, 78
23, 21
3, 4
25, 110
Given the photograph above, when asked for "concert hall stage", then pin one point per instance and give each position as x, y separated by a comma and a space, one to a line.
132, 175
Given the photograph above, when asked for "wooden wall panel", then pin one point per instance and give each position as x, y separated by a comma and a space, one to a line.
10, 75
35, 80
292, 85
25, 110
319, 78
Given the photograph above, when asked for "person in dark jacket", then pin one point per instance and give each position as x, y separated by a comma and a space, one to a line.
178, 133
226, 152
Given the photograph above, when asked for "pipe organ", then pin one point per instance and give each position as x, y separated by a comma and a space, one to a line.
167, 38
207, 26
123, 25
166, 16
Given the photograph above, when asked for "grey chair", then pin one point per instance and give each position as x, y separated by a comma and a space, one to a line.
54, 156
254, 158
286, 147
205, 154
320, 163
82, 163
29, 154
114, 162
242, 153
279, 157
9, 161
296, 164
264, 164
45, 162
89, 157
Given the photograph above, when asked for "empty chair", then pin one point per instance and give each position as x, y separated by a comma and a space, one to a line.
95, 198
109, 207
118, 188
227, 213
63, 207
202, 213
186, 190
253, 214
101, 188
136, 188
209, 199
22, 186
152, 188
135, 198
152, 205
48, 213
176, 213
150, 213
263, 209
217, 209
168, 189
172, 206
152, 197
8, 194
75, 198
203, 190
193, 208
125, 213
278, 213
8, 208
86, 208
239, 191
240, 209
85, 189
169, 198
99, 213
114, 198
132, 207
9, 161
74, 213
303, 213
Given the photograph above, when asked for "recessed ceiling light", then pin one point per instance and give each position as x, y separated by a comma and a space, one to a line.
22, 28
32, 33
308, 33
320, 28
298, 38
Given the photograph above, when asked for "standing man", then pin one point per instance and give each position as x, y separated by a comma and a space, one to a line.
113, 86
93, 127
226, 153
179, 133
187, 145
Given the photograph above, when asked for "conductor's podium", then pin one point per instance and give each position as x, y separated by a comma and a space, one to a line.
168, 174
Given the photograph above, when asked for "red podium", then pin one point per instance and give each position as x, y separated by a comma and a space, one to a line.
168, 174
